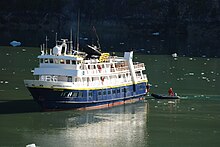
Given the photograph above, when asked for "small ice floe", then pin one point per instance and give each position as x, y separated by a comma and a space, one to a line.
31, 145
191, 74
23, 50
32, 71
205, 63
212, 72
16, 88
174, 55
192, 109
15, 43
85, 38
13, 72
202, 73
148, 52
7, 54
155, 86
162, 40
175, 59
213, 80
121, 43
6, 82
156, 33
208, 59
203, 56
204, 78
1, 82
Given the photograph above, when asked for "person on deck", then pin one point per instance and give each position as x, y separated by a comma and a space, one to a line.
170, 91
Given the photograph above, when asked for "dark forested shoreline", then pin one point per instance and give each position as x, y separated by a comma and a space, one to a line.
190, 18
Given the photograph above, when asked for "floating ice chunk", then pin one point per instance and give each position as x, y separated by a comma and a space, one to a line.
31, 145
190, 59
174, 55
156, 33
1, 82
192, 108
212, 72
204, 78
213, 80
155, 86
202, 73
175, 59
6, 82
7, 54
24, 50
16, 88
85, 38
191, 74
15, 43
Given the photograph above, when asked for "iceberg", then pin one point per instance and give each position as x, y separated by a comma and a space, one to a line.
15, 43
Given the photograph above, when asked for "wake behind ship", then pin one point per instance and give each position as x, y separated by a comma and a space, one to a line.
70, 79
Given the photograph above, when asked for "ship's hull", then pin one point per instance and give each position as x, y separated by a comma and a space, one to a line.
61, 99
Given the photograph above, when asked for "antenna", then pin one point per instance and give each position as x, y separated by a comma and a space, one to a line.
94, 29
77, 44
56, 38
46, 43
71, 40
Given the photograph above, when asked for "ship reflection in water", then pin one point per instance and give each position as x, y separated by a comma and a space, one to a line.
119, 126
123, 127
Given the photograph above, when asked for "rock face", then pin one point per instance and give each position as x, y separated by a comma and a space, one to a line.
191, 18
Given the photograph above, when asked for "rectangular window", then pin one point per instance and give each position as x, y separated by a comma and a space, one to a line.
51, 60
73, 62
56, 61
90, 94
80, 94
74, 94
41, 61
109, 92
113, 91
61, 61
99, 93
45, 60
118, 90
69, 79
67, 61
104, 92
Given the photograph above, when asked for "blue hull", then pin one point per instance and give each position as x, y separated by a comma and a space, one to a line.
55, 99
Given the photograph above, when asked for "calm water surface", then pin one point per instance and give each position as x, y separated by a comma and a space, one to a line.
191, 121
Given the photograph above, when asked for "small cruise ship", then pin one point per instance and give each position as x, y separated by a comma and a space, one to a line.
72, 79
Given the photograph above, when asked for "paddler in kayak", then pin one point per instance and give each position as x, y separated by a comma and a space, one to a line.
170, 92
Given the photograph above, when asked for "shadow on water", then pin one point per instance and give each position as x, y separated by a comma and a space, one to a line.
18, 106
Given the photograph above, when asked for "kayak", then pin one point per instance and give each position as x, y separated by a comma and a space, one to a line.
159, 96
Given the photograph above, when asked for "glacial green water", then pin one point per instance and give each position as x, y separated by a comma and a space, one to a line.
191, 121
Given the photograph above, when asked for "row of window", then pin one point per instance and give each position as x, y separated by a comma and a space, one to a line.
79, 94
58, 61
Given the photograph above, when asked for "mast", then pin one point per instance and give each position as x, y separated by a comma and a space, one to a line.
77, 37
56, 38
71, 40
46, 42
